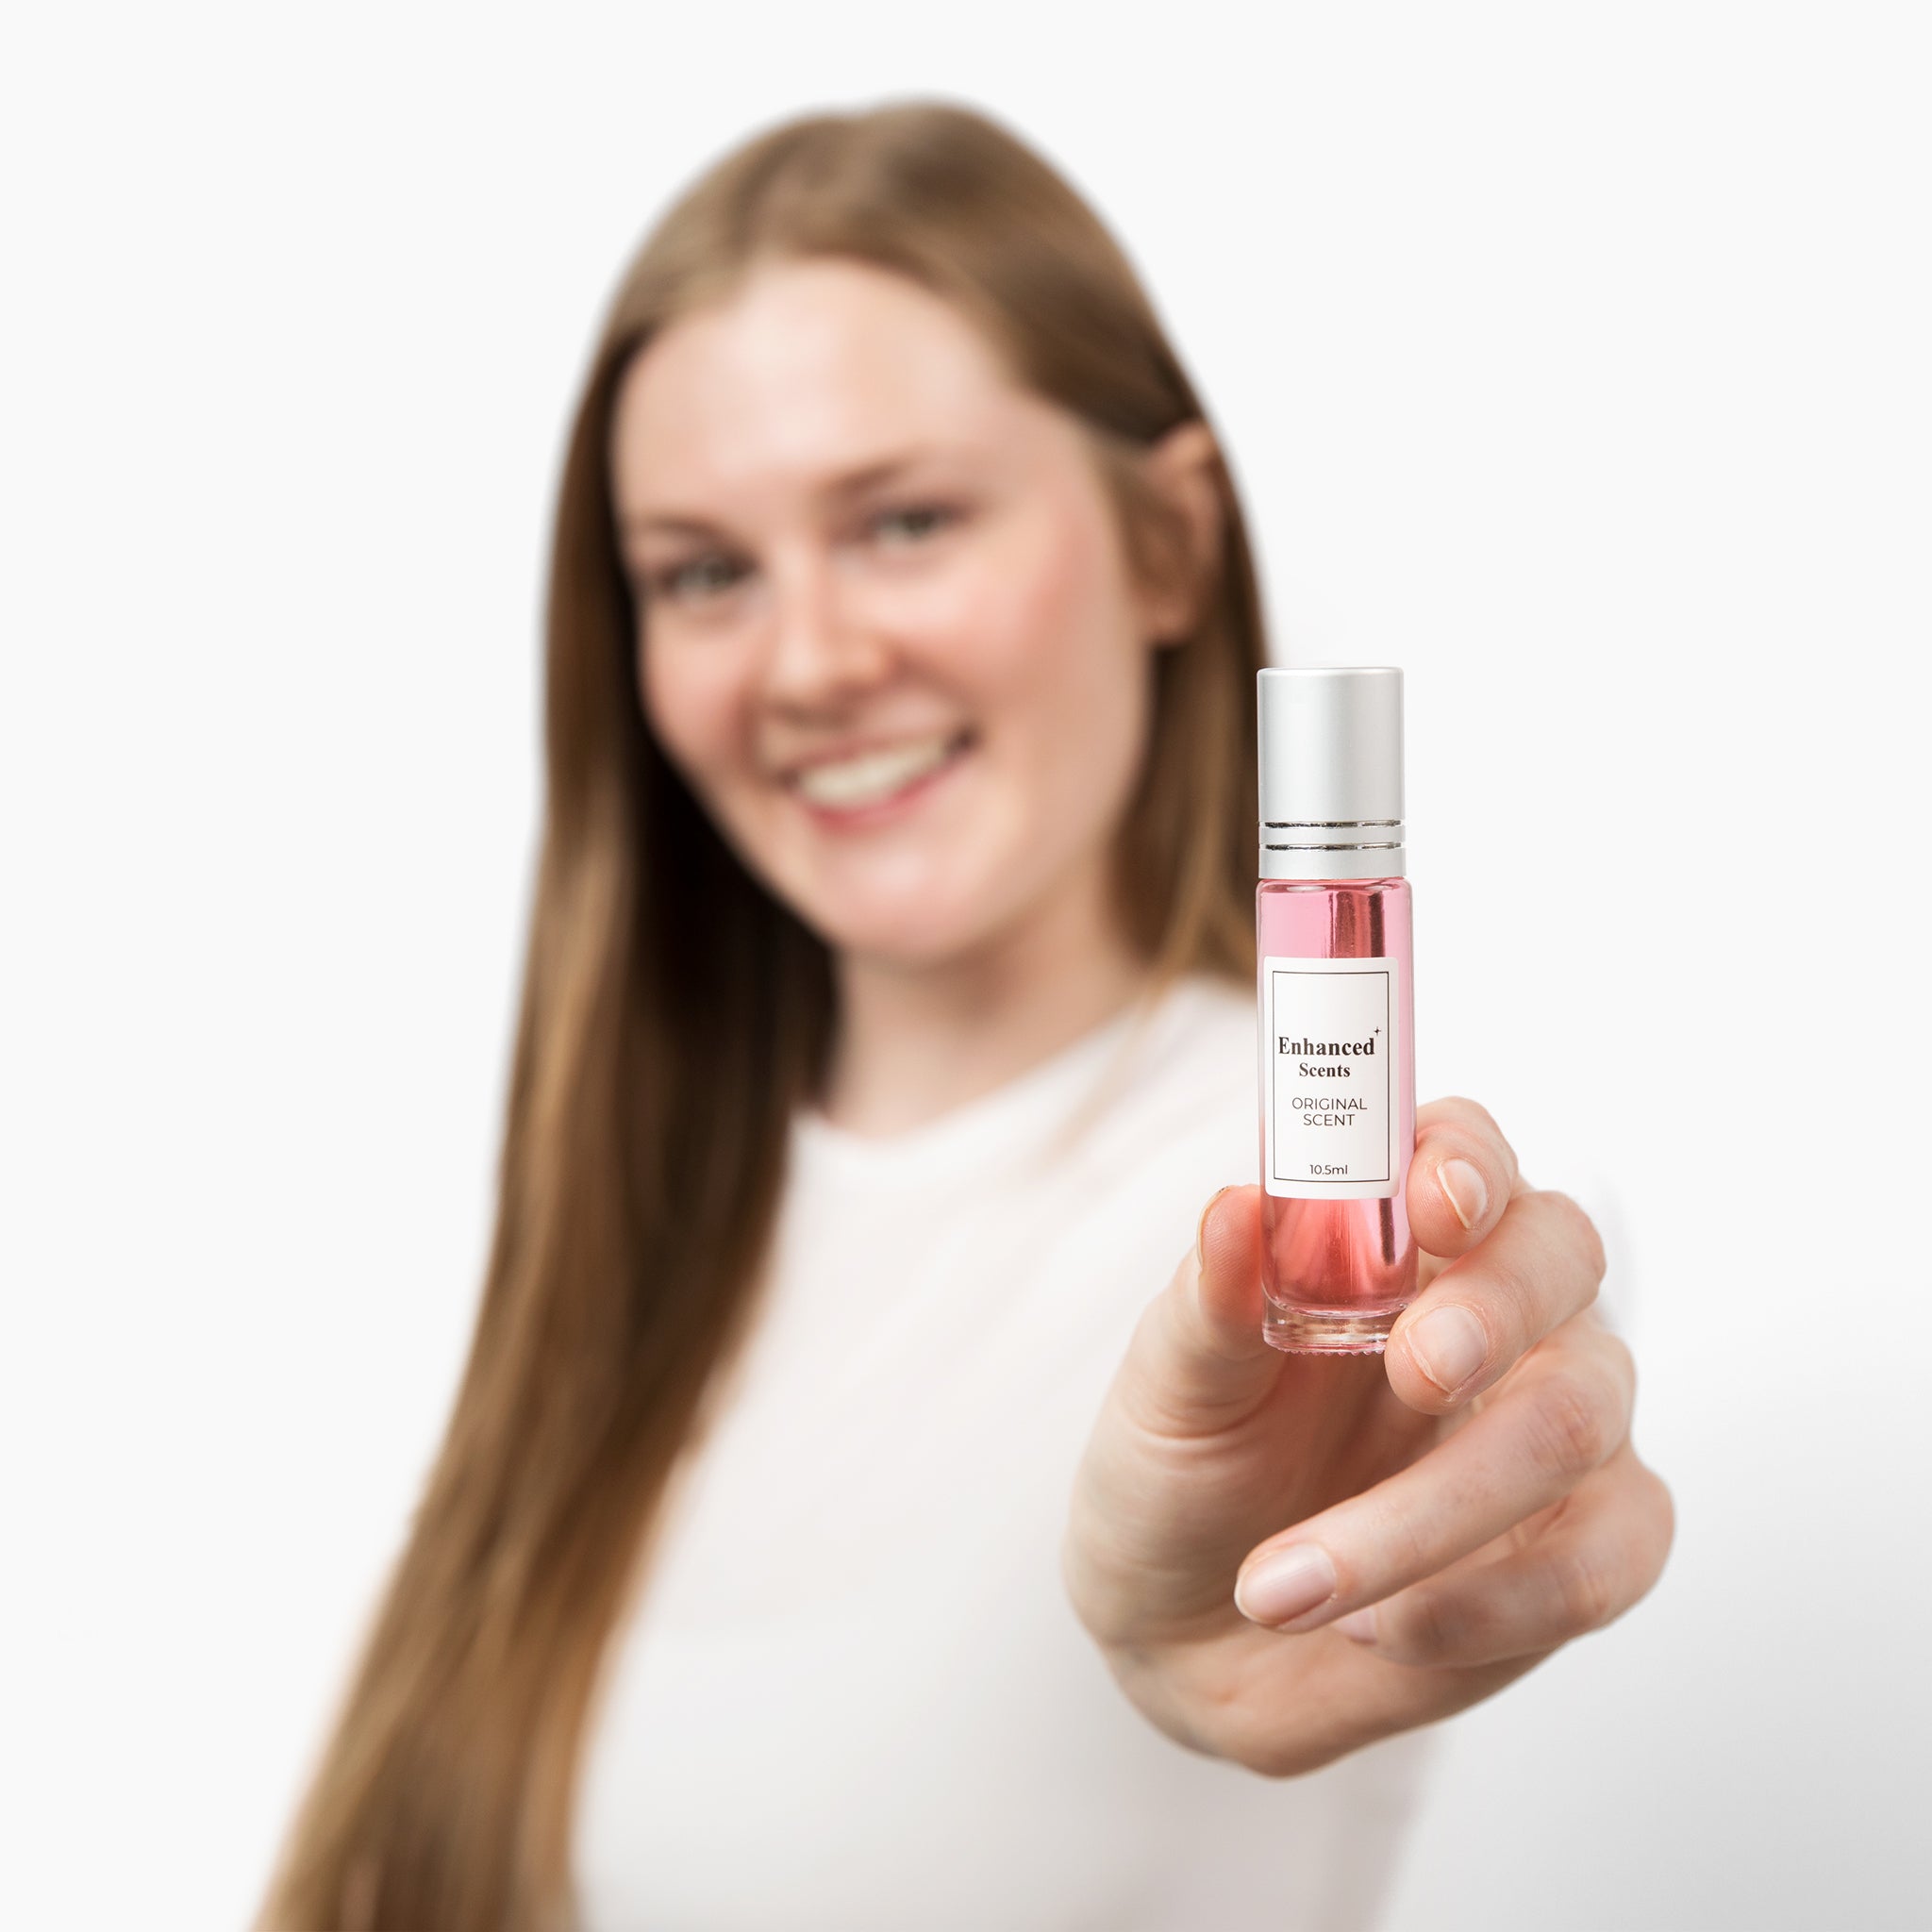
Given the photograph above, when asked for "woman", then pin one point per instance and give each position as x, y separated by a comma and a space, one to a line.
839, 1524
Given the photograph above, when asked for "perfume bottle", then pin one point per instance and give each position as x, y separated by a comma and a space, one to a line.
1336, 1009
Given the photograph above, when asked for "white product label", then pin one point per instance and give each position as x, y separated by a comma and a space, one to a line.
1331, 1125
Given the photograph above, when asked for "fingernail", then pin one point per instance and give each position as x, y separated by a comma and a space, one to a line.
1449, 1345
1285, 1583
1201, 1228
1465, 1190
1358, 1625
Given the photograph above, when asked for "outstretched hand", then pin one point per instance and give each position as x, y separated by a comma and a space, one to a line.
1285, 1556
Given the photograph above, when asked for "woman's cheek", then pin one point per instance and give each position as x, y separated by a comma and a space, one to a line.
1061, 647
692, 706
1012, 619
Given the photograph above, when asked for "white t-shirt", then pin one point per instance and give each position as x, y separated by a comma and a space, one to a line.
853, 1696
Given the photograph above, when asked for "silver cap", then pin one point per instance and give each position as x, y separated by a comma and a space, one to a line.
1332, 771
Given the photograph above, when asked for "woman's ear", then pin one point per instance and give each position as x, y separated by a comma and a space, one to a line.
1184, 467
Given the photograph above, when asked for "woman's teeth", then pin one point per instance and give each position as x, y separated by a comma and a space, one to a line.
875, 775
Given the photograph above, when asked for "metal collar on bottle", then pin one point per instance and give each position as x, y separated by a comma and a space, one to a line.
1335, 849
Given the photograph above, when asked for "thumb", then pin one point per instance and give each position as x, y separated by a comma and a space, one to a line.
1197, 1361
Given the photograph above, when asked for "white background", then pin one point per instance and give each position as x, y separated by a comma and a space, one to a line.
1574, 357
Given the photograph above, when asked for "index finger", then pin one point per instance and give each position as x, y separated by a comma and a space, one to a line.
1567, 1415
1540, 1265
1460, 1176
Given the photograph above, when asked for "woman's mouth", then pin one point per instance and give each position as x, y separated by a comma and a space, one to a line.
877, 785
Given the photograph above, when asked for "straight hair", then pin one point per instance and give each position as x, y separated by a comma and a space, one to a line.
674, 1014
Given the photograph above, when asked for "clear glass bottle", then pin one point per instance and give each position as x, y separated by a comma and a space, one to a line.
1336, 1009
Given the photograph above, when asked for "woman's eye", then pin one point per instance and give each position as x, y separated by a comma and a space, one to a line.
912, 521
701, 577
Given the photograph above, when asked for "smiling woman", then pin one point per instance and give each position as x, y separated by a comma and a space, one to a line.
839, 1523
882, 575
850, 323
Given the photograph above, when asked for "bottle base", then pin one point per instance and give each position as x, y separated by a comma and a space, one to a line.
1327, 1331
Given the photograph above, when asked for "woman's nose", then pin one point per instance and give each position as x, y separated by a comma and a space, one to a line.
821, 644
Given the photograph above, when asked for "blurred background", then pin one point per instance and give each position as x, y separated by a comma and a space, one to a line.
1574, 359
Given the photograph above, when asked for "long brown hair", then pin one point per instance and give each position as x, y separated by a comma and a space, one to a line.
674, 1014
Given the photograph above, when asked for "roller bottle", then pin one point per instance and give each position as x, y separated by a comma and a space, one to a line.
1336, 1006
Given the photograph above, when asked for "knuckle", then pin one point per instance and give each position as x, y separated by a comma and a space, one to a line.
1578, 1228
1663, 1513
1570, 1425
1585, 1591
1466, 1113
1433, 1625
1485, 1127
1620, 1359
1402, 1544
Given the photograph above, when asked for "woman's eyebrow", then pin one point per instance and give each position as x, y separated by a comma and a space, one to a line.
672, 522
847, 483
854, 482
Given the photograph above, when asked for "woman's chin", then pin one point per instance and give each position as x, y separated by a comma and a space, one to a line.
914, 929
896, 945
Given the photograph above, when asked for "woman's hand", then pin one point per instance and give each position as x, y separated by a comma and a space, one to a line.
1285, 1556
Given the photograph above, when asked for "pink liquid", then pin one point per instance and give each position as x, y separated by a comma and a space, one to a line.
1338, 1272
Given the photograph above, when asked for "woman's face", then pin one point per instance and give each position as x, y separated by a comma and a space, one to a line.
886, 630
